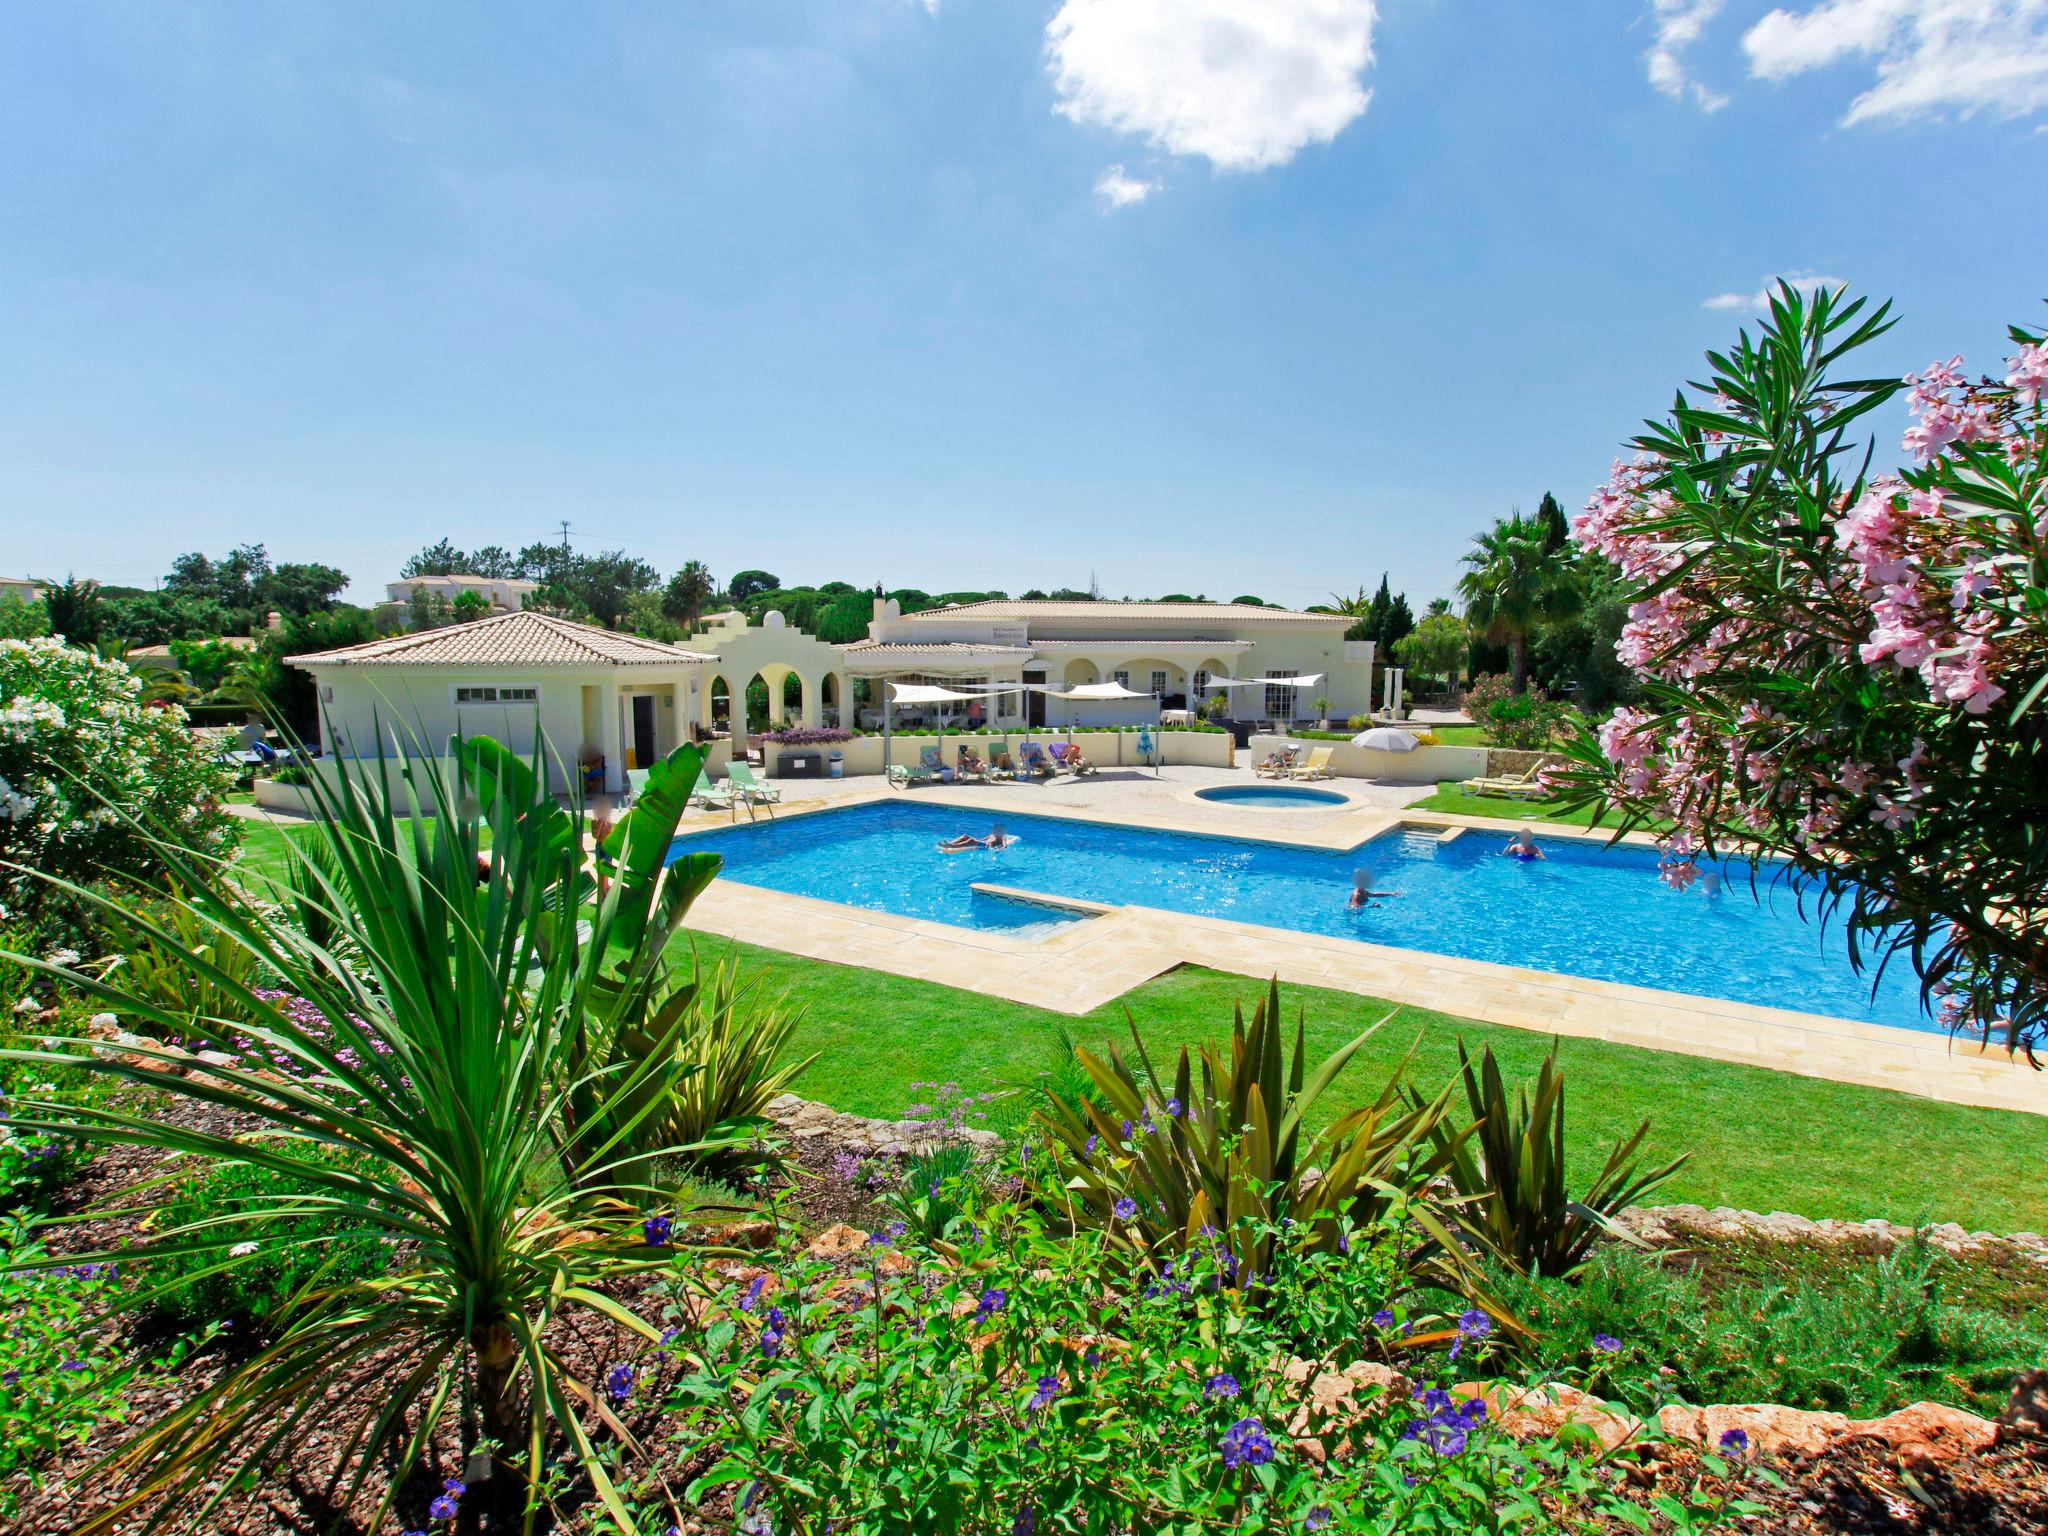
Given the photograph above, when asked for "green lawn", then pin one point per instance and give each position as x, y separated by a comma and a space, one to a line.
1759, 1140
1452, 800
1458, 735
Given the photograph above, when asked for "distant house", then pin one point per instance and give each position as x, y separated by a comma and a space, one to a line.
590, 693
20, 586
503, 593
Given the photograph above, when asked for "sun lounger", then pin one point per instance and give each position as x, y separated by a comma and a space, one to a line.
1277, 764
923, 771
1001, 768
968, 765
1036, 763
1068, 756
710, 796
1519, 786
1316, 767
741, 777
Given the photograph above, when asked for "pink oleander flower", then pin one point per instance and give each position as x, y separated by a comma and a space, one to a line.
1890, 814
2028, 375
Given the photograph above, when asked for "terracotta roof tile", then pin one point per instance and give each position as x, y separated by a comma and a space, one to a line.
510, 639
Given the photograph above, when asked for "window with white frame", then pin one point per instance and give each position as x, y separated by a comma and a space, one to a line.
1158, 682
486, 693
1121, 677
1280, 699
1198, 685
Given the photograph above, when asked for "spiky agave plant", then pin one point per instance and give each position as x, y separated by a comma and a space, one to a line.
1164, 1165
1510, 1172
430, 1072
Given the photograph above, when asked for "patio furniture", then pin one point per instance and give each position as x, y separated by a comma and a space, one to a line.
1036, 763
636, 780
1519, 786
969, 765
923, 771
1002, 768
741, 778
710, 796
1316, 767
1278, 764
1068, 756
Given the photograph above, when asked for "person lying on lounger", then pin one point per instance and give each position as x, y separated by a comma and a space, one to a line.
1362, 891
997, 838
1522, 846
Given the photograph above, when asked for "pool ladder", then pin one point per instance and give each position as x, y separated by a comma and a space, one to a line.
1420, 842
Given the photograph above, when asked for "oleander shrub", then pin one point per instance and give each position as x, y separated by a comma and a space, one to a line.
94, 782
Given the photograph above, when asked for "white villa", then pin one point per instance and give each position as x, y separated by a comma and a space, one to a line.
21, 587
610, 701
1168, 652
503, 593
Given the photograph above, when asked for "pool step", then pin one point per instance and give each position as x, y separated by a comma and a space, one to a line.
1420, 842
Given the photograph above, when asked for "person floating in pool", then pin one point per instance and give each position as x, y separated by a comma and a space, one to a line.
1362, 892
997, 838
1522, 846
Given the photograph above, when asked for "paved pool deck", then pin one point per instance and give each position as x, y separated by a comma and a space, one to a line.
1088, 964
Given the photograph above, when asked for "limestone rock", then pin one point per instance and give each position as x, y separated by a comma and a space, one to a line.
838, 1241
1533, 1412
1770, 1427
1935, 1429
2024, 1418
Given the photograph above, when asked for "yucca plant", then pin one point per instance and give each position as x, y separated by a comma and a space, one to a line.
1510, 1171
431, 1072
1163, 1166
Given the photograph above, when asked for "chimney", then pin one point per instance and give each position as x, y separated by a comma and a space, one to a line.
273, 620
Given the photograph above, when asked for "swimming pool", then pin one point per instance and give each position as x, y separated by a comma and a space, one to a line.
1586, 910
1277, 797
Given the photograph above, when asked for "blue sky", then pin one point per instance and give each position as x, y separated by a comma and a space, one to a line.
1200, 295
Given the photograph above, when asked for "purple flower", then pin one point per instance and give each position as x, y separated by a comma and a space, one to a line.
1125, 1207
1317, 1518
1088, 1146
1735, 1442
1245, 1444
9, 1377
455, 1486
1127, 1130
74, 1365
1222, 1384
1606, 1343
443, 1508
1025, 1523
1048, 1389
1383, 1318
1174, 1109
618, 1383
656, 1230
753, 1296
1474, 1324
992, 1301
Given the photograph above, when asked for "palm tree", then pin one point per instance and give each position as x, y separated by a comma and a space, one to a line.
1515, 583
687, 592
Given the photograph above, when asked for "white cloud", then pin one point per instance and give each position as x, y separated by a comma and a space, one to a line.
1118, 190
1246, 84
1931, 55
1759, 302
1679, 24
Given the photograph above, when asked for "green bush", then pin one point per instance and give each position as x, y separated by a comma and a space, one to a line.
290, 1258
1863, 1337
1021, 1384
62, 1377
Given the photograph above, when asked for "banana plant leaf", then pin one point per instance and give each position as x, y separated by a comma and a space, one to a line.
637, 848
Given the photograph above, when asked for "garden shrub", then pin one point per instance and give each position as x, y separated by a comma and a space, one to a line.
62, 1376
1030, 1383
82, 762
291, 1256
1865, 1337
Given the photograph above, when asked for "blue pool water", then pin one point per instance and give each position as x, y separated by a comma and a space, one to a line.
1586, 910
1277, 796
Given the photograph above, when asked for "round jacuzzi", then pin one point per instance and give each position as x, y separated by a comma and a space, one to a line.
1272, 797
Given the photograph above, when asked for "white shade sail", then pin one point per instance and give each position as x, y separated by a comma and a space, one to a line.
925, 693
1264, 682
1109, 690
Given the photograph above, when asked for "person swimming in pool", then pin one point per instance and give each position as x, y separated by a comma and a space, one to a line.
1522, 846
1362, 891
997, 838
